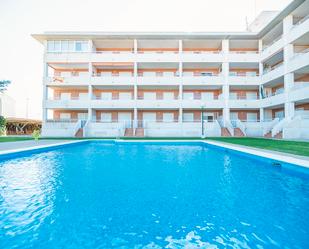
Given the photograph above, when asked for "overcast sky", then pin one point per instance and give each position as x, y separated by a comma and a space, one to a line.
21, 55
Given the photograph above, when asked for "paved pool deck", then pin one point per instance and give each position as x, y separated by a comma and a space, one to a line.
16, 145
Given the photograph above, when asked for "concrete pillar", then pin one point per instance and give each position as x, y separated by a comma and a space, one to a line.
90, 69
225, 46
180, 46
287, 24
135, 118
89, 114
261, 114
135, 46
180, 115
89, 92
44, 115
226, 91
289, 110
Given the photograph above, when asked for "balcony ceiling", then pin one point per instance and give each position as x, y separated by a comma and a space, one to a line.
244, 87
303, 70
202, 65
275, 82
238, 44
215, 44
302, 10
71, 66
202, 87
162, 43
154, 65
275, 58
113, 65
245, 65
303, 40
114, 43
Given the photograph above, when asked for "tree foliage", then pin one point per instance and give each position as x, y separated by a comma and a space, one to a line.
4, 84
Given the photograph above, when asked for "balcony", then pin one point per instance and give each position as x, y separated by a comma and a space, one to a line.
240, 101
158, 78
272, 48
202, 78
198, 102
202, 56
273, 99
149, 103
244, 78
273, 72
299, 92
113, 103
299, 60
110, 79
73, 102
244, 56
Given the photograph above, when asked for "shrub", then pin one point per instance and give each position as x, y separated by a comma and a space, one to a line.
36, 134
2, 126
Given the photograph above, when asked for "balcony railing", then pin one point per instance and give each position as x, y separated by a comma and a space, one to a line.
272, 42
302, 20
215, 97
244, 52
244, 74
272, 68
305, 51
156, 98
200, 74
299, 85
112, 98
240, 97
202, 52
110, 74
67, 99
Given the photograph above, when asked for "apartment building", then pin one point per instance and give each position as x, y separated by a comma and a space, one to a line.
253, 83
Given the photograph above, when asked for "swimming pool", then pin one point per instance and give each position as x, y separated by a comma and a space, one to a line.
150, 195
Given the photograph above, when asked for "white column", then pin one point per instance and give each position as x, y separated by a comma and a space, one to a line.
91, 46
135, 118
180, 46
261, 114
44, 114
89, 114
289, 110
287, 24
180, 115
225, 87
89, 92
90, 69
135, 46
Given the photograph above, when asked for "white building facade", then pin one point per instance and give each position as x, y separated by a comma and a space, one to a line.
180, 84
7, 106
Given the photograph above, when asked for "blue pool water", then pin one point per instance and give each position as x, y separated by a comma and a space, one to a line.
110, 195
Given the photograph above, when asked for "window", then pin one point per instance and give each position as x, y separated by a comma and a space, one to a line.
251, 116
81, 46
64, 45
50, 46
188, 117
57, 46
168, 117
188, 95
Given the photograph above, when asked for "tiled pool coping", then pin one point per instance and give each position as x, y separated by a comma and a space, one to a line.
272, 155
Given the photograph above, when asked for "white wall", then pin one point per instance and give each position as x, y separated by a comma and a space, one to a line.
7, 106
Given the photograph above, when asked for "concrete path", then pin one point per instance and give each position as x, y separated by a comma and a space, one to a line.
28, 143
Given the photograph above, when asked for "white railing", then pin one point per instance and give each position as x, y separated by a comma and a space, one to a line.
272, 42
302, 20
272, 68
296, 54
77, 126
244, 52
302, 113
239, 97
279, 127
269, 125
229, 127
241, 126
202, 51
298, 85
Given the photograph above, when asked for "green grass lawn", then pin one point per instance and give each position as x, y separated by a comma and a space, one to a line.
14, 139
293, 147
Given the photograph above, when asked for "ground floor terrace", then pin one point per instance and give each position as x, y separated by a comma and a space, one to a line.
179, 122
